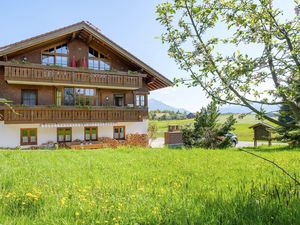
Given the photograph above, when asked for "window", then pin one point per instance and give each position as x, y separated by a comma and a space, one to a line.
28, 136
79, 96
119, 100
140, 100
69, 96
119, 133
57, 55
64, 134
98, 61
84, 96
29, 97
90, 133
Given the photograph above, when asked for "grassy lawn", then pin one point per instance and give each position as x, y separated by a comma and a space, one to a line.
139, 186
241, 127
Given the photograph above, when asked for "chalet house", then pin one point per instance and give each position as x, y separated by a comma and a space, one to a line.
70, 84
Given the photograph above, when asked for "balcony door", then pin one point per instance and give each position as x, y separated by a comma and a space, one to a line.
119, 100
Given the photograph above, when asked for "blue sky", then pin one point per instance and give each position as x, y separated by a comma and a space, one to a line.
129, 23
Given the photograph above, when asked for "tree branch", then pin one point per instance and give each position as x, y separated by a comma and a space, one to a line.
209, 58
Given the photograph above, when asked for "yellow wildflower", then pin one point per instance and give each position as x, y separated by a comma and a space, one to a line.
63, 201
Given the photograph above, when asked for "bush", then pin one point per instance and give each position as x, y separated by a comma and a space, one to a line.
152, 131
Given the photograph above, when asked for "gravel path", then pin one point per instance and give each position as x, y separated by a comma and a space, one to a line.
159, 143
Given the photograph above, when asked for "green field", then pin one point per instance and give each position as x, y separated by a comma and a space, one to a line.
241, 127
140, 186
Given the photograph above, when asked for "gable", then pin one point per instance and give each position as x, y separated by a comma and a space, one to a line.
90, 35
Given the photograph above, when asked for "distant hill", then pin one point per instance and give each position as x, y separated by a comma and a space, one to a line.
234, 109
154, 104
227, 109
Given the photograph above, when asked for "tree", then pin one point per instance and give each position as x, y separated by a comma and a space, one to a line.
288, 134
5, 103
207, 131
192, 32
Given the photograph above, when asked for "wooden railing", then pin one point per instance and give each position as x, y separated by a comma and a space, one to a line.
50, 74
29, 115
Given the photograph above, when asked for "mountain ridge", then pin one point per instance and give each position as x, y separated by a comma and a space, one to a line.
154, 104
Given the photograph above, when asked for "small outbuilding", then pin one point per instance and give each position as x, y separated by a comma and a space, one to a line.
191, 116
262, 132
173, 137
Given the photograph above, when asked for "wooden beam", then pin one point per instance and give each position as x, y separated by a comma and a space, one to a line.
150, 80
89, 39
74, 35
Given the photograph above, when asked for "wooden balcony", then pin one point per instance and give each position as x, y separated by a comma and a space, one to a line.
35, 74
30, 115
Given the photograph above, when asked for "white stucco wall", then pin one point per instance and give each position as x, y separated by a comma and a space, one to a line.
10, 134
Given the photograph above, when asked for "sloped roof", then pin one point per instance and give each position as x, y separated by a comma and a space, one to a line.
263, 125
156, 80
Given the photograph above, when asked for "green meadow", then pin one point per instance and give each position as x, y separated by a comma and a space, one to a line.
147, 186
241, 127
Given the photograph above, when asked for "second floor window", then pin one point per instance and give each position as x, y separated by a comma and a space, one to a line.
79, 96
57, 55
29, 97
98, 61
140, 100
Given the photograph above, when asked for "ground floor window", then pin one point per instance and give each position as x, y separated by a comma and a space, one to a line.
119, 133
64, 134
28, 136
91, 133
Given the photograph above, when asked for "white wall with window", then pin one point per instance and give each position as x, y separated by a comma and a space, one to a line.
10, 134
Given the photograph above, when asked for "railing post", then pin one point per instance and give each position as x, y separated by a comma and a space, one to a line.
52, 75
72, 78
5, 72
31, 115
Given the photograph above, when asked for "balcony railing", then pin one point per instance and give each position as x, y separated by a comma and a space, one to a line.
33, 73
30, 115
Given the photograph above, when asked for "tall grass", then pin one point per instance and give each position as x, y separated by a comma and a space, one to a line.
139, 186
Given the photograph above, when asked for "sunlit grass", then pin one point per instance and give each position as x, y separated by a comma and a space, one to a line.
142, 186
